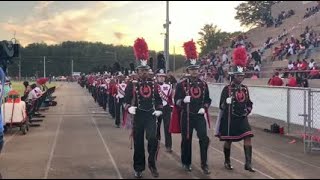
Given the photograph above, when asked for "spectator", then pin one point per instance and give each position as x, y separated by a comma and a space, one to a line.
25, 84
311, 64
276, 80
256, 56
304, 64
220, 74
298, 65
19, 113
269, 81
292, 81
309, 48
26, 90
304, 83
251, 67
33, 95
254, 76
224, 58
7, 88
314, 73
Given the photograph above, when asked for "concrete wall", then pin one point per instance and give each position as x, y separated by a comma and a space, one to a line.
285, 104
313, 83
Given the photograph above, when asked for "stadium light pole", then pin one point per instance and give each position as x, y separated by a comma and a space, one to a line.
44, 66
167, 36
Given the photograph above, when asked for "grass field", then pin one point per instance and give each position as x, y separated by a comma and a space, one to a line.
18, 86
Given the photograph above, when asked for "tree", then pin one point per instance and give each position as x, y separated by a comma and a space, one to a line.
86, 57
211, 38
253, 13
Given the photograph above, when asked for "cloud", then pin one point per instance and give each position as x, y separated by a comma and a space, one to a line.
116, 4
67, 25
119, 35
42, 9
42, 5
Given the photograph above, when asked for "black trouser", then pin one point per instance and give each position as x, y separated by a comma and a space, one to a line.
166, 123
89, 87
119, 106
1, 141
197, 122
101, 97
95, 94
144, 121
105, 100
111, 105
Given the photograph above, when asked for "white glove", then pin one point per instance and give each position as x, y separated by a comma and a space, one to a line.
132, 110
187, 99
229, 100
201, 111
157, 113
117, 96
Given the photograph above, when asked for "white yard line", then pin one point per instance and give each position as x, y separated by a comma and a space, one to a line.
52, 149
107, 150
242, 163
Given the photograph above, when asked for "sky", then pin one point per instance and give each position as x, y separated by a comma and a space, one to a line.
110, 22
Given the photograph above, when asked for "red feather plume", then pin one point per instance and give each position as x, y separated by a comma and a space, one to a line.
42, 81
190, 50
140, 49
240, 57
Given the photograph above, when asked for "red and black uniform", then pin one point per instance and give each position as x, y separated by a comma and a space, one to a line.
199, 92
145, 97
112, 94
165, 91
234, 125
121, 87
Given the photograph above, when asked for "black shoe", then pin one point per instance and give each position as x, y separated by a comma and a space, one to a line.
117, 126
205, 170
154, 171
249, 168
138, 174
228, 166
187, 167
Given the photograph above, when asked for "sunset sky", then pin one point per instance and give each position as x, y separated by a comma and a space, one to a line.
113, 22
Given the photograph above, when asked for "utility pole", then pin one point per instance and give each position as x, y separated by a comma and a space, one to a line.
174, 59
71, 67
167, 37
44, 66
19, 66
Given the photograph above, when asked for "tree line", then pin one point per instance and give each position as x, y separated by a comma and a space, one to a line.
85, 56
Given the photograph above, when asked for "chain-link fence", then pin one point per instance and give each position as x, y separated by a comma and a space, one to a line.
297, 110
312, 126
